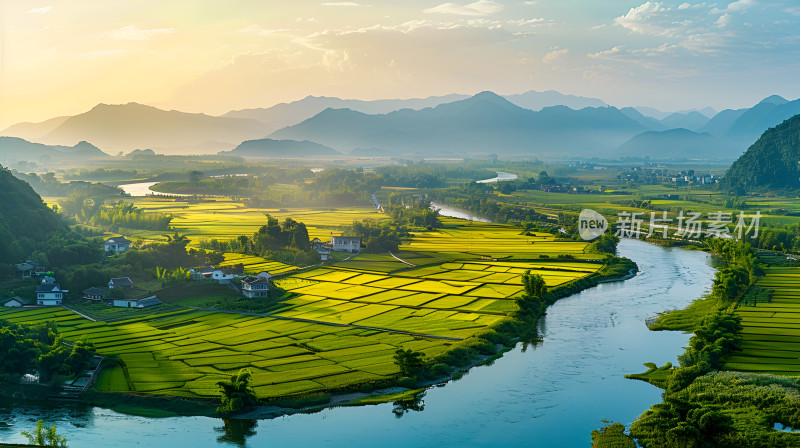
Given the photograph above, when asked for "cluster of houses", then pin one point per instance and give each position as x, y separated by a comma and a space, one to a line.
50, 293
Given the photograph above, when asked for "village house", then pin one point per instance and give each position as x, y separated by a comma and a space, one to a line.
94, 293
14, 302
201, 272
144, 302
255, 286
224, 275
117, 244
25, 269
346, 244
120, 282
49, 294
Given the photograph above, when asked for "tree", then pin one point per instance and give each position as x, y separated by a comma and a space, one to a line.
534, 284
45, 436
237, 393
409, 361
195, 176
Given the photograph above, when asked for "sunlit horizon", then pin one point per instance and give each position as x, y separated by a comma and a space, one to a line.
63, 58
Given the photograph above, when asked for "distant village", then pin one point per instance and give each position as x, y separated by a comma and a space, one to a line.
122, 292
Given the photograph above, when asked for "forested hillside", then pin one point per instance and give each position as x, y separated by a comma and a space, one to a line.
24, 219
771, 162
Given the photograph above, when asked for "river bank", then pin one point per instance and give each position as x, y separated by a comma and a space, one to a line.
551, 392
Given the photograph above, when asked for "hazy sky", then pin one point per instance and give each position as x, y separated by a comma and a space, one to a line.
64, 56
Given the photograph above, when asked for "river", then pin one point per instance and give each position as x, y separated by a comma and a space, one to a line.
550, 395
501, 175
143, 189
451, 212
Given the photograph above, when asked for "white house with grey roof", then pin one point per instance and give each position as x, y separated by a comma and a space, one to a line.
346, 244
144, 302
117, 244
50, 294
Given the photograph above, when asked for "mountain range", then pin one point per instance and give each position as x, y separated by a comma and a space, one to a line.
482, 124
538, 123
13, 150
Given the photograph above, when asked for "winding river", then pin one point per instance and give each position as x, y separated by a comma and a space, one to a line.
549, 395
501, 175
138, 189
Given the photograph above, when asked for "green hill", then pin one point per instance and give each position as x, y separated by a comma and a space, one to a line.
771, 162
24, 219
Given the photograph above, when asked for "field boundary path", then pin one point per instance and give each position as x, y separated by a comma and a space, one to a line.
401, 260
78, 313
332, 324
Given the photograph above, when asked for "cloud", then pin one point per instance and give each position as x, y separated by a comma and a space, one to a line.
341, 4
521, 22
42, 10
740, 5
255, 29
131, 32
638, 19
479, 8
794, 10
554, 55
100, 54
723, 20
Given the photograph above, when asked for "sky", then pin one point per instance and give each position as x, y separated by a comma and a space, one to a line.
62, 57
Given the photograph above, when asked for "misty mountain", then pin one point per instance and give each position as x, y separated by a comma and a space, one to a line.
691, 120
676, 144
287, 114
770, 112
131, 126
284, 149
534, 100
660, 115
14, 149
644, 120
733, 131
484, 123
34, 131
771, 162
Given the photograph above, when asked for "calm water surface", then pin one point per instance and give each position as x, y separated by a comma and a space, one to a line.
501, 175
550, 395
143, 189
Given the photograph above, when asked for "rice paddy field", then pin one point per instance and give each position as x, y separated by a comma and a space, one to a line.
771, 334
226, 219
253, 264
185, 353
341, 324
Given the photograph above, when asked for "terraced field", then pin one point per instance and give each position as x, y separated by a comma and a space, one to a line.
491, 240
185, 353
253, 264
343, 322
771, 334
224, 219
451, 299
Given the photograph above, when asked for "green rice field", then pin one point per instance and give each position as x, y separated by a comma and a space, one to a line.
771, 333
341, 324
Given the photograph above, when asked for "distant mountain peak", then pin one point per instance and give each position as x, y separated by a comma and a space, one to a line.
774, 99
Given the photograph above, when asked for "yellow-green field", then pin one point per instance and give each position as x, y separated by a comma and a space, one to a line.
342, 323
253, 264
771, 333
225, 219
491, 240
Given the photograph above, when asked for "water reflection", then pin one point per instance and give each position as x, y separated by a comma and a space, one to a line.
404, 406
236, 431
